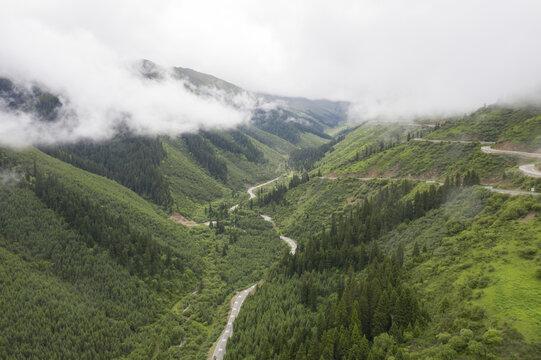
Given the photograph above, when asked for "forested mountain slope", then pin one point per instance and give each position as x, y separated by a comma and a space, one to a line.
399, 269
406, 269
87, 242
97, 251
394, 150
401, 251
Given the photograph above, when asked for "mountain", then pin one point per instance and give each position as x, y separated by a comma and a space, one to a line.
406, 249
289, 118
413, 241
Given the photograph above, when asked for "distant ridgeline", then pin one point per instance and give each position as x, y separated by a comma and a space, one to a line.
284, 124
34, 100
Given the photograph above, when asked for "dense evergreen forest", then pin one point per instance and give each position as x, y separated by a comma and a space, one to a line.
304, 159
131, 248
284, 124
238, 144
206, 156
60, 298
349, 241
340, 296
401, 253
87, 275
132, 161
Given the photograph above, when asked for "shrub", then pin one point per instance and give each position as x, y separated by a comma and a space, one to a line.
447, 352
476, 348
466, 334
527, 253
458, 343
483, 282
493, 336
443, 337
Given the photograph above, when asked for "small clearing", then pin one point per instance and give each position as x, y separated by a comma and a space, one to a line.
178, 218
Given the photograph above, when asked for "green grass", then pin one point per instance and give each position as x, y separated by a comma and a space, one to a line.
428, 161
355, 141
280, 145
193, 188
521, 127
474, 260
190, 185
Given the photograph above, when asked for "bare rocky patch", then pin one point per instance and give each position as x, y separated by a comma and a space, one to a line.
179, 219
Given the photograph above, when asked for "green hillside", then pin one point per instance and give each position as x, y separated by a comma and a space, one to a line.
393, 150
466, 261
516, 127
128, 307
402, 252
473, 264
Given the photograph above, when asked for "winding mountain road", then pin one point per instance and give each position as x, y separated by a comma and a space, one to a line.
528, 169
532, 155
292, 244
251, 190
238, 300
488, 187
455, 141
511, 192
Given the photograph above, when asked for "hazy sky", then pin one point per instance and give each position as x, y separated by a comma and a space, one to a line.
388, 57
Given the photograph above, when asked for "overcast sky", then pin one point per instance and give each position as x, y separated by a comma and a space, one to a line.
388, 57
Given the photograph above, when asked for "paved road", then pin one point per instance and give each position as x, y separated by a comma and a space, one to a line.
292, 244
380, 178
529, 170
511, 192
493, 189
238, 300
455, 141
251, 190
489, 150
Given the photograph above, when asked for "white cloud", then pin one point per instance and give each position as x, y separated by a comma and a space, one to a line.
99, 85
390, 57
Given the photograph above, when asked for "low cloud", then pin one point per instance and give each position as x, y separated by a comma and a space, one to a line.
100, 90
392, 59
9, 177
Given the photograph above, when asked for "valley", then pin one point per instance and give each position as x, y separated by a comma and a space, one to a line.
308, 180
387, 240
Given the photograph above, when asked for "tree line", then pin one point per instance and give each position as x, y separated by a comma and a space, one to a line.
131, 161
304, 159
276, 195
205, 155
134, 249
241, 144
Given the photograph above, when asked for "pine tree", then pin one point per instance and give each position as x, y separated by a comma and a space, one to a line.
416, 251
